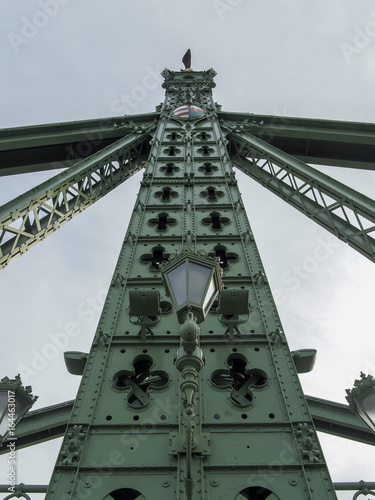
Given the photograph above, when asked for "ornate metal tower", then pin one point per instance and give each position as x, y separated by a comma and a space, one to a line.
245, 429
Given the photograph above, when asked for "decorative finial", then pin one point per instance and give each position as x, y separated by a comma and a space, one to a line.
187, 60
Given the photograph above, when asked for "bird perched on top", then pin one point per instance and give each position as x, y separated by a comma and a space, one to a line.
187, 60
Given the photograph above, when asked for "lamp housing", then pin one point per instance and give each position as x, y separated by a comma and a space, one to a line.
15, 402
144, 303
75, 361
233, 302
304, 360
362, 399
192, 282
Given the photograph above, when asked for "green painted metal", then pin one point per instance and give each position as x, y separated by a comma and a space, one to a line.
329, 417
346, 486
344, 212
322, 142
337, 419
61, 145
41, 425
340, 486
25, 488
130, 434
39, 212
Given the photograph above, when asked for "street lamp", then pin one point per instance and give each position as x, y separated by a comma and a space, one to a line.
192, 282
15, 402
362, 399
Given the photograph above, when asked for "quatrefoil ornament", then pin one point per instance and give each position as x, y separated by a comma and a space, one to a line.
139, 381
241, 379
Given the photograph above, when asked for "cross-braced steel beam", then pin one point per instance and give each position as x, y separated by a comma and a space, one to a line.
29, 218
344, 212
322, 142
61, 145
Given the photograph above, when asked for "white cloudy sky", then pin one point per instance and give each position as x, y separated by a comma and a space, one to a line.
274, 57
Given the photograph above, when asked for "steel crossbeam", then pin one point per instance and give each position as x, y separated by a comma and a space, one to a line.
61, 145
321, 142
29, 218
344, 212
329, 417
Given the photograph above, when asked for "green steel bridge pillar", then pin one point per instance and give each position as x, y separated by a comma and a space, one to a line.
251, 435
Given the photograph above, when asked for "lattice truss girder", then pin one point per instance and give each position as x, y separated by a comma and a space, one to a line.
344, 212
31, 217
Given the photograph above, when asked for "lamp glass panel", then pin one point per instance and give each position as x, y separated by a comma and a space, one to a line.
4, 426
22, 407
177, 279
198, 278
366, 408
3, 401
3, 412
210, 293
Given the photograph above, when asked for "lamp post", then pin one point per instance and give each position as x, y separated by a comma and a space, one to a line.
15, 402
362, 399
192, 282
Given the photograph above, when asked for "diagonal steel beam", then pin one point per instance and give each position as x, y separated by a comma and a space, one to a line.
61, 145
322, 142
344, 212
336, 419
31, 217
41, 425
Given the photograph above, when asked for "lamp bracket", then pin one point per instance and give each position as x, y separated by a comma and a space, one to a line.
232, 323
200, 445
145, 322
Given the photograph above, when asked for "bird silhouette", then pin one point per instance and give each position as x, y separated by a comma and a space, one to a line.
187, 60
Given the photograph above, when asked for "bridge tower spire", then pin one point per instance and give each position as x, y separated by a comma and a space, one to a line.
128, 436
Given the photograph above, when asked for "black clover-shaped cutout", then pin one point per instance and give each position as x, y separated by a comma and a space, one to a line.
140, 380
225, 257
166, 194
240, 378
205, 150
162, 221
208, 168
169, 169
216, 220
211, 193
157, 257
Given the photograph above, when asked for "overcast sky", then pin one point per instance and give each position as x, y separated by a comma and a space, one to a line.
67, 60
